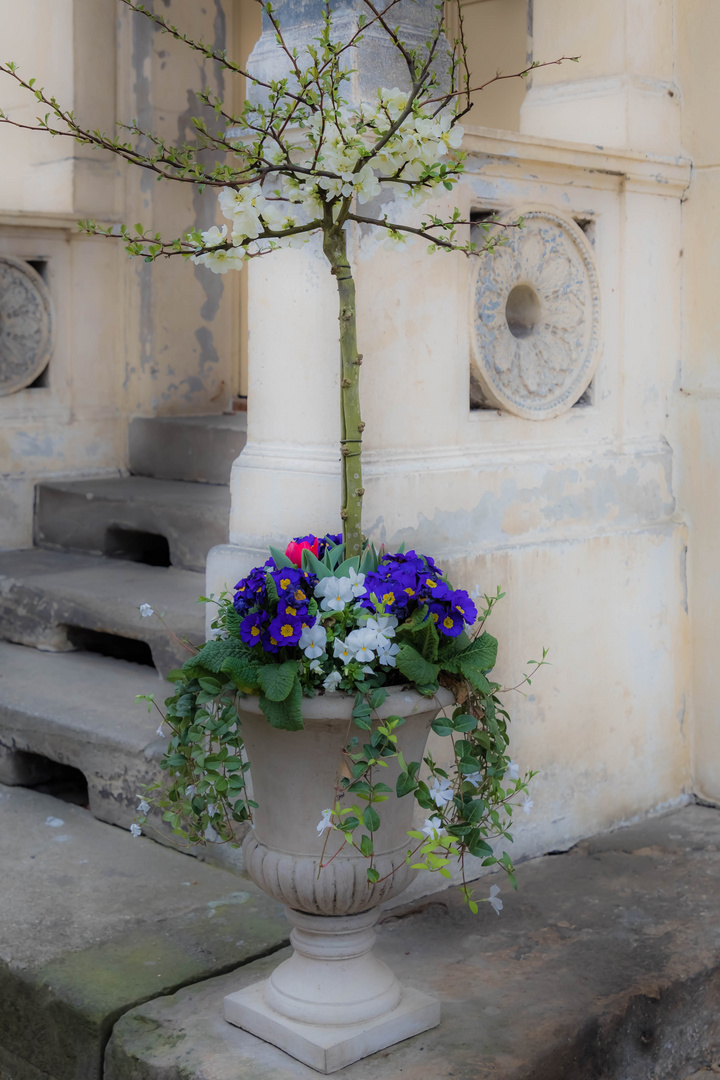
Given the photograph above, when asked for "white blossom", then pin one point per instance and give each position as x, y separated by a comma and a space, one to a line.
222, 260
527, 804
512, 772
474, 778
493, 901
441, 791
161, 733
214, 236
143, 807
357, 582
190, 790
387, 655
343, 651
313, 640
433, 828
315, 665
337, 592
364, 655
54, 822
383, 624
146, 611
325, 822
333, 680
135, 829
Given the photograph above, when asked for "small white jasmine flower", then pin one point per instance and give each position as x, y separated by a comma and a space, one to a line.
161, 733
333, 680
143, 807
441, 791
474, 778
512, 772
383, 625
135, 829
492, 900
146, 611
325, 822
433, 828
527, 803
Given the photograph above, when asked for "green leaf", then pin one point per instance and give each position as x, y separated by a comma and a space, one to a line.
286, 714
280, 559
377, 697
366, 846
465, 723
369, 561
414, 667
242, 672
442, 726
212, 656
311, 562
372, 875
405, 784
277, 680
479, 658
210, 686
351, 563
371, 819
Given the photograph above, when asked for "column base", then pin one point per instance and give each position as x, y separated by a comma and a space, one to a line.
330, 1047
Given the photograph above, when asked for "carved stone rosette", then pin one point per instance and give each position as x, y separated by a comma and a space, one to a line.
333, 1001
535, 310
25, 325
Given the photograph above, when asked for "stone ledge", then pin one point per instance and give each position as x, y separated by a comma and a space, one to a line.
604, 964
95, 922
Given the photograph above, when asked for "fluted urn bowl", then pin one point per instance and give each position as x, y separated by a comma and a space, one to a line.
333, 1001
295, 775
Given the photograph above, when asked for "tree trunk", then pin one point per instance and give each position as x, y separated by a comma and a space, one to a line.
335, 248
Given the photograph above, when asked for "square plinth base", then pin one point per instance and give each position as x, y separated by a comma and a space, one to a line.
328, 1048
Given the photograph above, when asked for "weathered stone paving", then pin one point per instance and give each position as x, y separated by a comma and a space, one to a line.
604, 966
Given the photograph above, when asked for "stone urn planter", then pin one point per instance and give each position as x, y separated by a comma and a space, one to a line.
333, 1001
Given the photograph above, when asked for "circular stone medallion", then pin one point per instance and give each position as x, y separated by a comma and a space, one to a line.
536, 318
25, 325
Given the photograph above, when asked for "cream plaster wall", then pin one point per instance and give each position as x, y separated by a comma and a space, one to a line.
132, 338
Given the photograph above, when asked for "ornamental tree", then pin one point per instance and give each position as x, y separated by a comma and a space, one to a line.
303, 159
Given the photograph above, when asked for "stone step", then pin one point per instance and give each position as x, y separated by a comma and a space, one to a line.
79, 709
95, 922
606, 962
161, 522
197, 448
50, 599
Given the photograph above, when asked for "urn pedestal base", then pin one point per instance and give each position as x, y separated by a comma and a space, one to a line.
332, 1002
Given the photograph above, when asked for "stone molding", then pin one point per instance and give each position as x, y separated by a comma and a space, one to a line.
26, 325
535, 312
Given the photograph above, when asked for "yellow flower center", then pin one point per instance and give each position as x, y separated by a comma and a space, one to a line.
430, 583
447, 622
254, 631
286, 630
389, 598
285, 583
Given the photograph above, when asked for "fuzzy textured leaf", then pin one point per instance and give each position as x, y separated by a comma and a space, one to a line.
277, 680
415, 667
286, 714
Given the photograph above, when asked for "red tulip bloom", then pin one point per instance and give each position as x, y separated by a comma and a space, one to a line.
295, 549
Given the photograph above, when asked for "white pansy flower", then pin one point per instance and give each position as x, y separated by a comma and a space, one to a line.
338, 593
135, 829
357, 582
362, 638
387, 656
383, 624
343, 651
527, 803
333, 680
441, 791
364, 655
493, 901
315, 665
512, 772
146, 611
313, 640
325, 822
433, 828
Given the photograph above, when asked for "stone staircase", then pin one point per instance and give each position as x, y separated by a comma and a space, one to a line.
74, 649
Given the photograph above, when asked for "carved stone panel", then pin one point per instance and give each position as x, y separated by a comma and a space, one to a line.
25, 325
536, 318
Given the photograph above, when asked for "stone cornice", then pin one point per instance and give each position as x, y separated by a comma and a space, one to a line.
634, 171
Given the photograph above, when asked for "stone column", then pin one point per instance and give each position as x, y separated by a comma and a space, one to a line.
286, 482
621, 93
